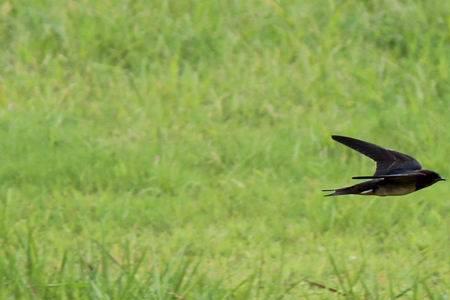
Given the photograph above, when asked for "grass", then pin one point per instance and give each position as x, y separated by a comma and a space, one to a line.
176, 149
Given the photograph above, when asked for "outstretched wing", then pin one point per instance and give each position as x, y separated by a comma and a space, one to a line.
388, 161
394, 176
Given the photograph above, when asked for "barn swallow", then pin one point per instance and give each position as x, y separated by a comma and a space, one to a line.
396, 173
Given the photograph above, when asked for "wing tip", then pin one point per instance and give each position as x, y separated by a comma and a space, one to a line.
366, 177
341, 138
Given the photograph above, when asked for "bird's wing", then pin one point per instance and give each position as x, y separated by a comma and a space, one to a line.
404, 175
395, 178
388, 161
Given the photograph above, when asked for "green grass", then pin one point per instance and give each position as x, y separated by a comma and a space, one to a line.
177, 149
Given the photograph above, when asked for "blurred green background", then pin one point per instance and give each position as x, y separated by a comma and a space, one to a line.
177, 149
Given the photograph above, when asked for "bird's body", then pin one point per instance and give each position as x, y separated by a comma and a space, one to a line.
393, 189
396, 174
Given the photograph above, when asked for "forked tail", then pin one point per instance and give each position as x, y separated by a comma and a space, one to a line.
363, 188
338, 192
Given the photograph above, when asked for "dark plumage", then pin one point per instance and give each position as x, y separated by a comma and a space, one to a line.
396, 173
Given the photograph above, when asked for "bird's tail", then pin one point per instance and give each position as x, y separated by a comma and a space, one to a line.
363, 188
338, 192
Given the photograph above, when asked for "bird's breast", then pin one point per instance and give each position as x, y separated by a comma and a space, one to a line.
395, 189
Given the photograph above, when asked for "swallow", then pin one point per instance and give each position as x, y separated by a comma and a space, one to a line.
396, 173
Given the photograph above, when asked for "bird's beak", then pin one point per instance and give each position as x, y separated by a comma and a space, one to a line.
442, 179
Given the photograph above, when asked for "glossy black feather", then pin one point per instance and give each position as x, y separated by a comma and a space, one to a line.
412, 174
389, 162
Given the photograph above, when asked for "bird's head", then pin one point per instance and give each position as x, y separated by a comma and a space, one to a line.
435, 177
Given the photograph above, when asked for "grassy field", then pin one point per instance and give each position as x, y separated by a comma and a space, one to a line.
177, 149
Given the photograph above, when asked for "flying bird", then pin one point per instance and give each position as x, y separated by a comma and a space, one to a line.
396, 173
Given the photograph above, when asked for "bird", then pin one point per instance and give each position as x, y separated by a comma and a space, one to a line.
396, 173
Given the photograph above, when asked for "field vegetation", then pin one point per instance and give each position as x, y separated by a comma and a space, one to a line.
177, 149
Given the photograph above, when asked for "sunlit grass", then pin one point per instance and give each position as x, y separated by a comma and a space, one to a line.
177, 149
